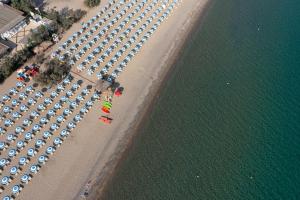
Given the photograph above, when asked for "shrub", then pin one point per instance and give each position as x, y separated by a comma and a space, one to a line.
91, 3
66, 17
54, 73
24, 5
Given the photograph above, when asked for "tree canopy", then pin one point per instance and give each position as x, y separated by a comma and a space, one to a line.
24, 5
65, 17
91, 3
54, 73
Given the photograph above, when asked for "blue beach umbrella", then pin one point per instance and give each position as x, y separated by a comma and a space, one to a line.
20, 144
13, 170
28, 136
25, 178
5, 180
50, 150
47, 134
23, 161
12, 153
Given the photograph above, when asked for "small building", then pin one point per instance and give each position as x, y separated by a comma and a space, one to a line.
3, 49
11, 21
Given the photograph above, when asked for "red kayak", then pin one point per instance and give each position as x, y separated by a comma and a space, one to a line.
118, 92
105, 110
105, 119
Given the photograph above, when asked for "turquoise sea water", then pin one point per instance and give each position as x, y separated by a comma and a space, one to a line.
227, 123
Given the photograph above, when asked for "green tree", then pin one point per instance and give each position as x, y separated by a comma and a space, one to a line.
54, 73
24, 5
91, 3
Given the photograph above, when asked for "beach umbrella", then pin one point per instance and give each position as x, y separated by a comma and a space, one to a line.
50, 150
31, 152
51, 113
16, 115
23, 108
19, 129
53, 94
34, 114
73, 105
60, 119
43, 120
25, 178
57, 141
8, 122
10, 137
7, 198
77, 118
67, 112
47, 134
41, 107
14, 170
36, 128
42, 159
3, 145
29, 89
89, 103
2, 130
83, 111
54, 127
16, 189
71, 125
23, 161
38, 94
63, 99
79, 98
57, 106
31, 101
20, 144
28, 136
13, 91
15, 102
6, 109
12, 153
27, 122
34, 169
39, 143
69, 93
64, 133
2, 117
3, 162
47, 101
60, 87
5, 180
20, 84
22, 96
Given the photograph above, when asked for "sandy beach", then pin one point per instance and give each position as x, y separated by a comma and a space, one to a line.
89, 156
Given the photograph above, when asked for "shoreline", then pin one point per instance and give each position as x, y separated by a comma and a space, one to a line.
105, 178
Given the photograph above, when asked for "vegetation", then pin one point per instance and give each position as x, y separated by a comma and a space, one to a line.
61, 21
10, 63
23, 5
54, 73
66, 17
91, 3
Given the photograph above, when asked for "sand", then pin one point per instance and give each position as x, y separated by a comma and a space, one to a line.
86, 160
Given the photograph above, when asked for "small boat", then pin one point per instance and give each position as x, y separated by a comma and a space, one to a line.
118, 92
105, 119
105, 110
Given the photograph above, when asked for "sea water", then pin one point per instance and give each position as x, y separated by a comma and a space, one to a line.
227, 123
